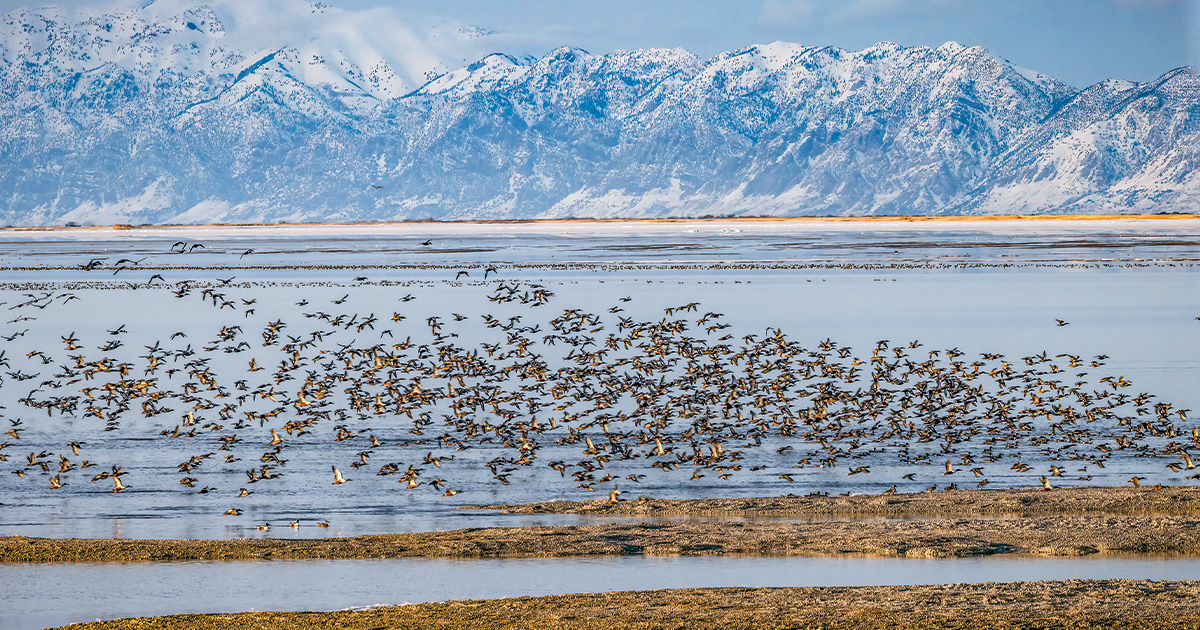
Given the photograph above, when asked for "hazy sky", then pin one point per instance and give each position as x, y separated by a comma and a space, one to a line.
1078, 41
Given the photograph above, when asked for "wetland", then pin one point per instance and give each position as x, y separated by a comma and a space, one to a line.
536, 392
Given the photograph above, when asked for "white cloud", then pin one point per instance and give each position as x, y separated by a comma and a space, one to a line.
409, 46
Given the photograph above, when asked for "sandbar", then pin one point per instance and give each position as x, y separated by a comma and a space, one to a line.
1070, 522
1130, 501
1050, 604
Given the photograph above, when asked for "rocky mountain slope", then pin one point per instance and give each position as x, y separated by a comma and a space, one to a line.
185, 112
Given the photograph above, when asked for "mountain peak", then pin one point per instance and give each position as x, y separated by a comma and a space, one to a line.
565, 54
190, 111
951, 48
486, 74
377, 50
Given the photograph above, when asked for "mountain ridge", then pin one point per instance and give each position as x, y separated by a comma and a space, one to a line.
154, 116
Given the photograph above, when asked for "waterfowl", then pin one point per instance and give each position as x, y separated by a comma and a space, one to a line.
337, 477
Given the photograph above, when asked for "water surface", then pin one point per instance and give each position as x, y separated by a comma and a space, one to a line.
1129, 291
41, 595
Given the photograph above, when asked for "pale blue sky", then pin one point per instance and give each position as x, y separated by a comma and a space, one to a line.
1078, 41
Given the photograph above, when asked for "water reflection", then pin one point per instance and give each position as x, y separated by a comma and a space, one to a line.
86, 592
1143, 316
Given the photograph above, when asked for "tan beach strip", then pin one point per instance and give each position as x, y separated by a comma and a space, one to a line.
706, 219
1080, 604
1088, 521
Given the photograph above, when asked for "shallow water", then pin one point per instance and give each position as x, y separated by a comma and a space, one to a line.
40, 595
1130, 291
788, 242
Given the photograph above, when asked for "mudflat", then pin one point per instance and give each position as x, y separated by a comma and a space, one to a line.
1057, 604
948, 524
1147, 501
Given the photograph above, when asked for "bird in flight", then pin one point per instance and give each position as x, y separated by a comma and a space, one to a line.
337, 477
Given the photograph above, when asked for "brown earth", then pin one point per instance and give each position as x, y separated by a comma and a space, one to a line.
955, 524
1129, 501
1081, 604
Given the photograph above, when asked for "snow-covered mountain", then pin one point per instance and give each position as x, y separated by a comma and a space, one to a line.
181, 111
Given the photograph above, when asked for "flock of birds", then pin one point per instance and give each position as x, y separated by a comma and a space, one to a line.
585, 394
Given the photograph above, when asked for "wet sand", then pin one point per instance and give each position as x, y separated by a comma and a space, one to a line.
935, 538
955, 524
1060, 604
1128, 501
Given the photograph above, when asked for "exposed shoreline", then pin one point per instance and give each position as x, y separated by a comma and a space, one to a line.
933, 538
1096, 500
1070, 522
1058, 604
651, 220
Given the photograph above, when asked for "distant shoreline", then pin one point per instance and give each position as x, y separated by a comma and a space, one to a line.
586, 221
